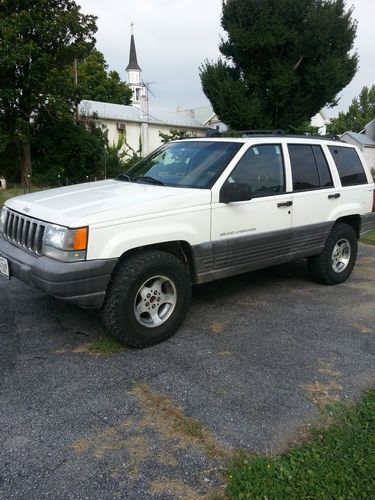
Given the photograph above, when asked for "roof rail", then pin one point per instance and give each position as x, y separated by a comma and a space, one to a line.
272, 133
249, 133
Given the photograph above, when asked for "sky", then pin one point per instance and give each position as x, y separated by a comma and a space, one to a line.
174, 37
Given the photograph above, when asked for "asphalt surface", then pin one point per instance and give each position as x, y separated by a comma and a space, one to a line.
255, 356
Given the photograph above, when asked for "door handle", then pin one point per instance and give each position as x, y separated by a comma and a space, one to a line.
334, 196
285, 204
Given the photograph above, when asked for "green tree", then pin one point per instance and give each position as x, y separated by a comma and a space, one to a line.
283, 61
360, 112
61, 147
97, 84
39, 40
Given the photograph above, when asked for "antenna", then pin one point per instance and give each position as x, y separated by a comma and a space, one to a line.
147, 87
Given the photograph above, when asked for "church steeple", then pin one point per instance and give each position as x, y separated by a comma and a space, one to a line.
134, 73
133, 63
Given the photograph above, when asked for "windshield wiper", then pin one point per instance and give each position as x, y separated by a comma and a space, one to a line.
148, 179
124, 177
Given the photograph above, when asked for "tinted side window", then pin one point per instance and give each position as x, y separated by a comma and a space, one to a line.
262, 168
348, 165
304, 169
323, 168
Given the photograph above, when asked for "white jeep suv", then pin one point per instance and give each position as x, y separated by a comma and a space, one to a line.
193, 211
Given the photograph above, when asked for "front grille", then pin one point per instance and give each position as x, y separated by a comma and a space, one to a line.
24, 232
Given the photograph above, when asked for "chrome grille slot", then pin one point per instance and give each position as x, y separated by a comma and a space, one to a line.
25, 232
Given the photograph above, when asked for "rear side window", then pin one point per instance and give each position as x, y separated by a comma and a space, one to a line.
349, 166
323, 168
310, 169
304, 168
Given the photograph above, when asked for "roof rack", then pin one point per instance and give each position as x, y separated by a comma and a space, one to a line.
250, 133
247, 133
273, 133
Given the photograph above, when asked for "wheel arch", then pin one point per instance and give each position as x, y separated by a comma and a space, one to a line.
179, 248
352, 220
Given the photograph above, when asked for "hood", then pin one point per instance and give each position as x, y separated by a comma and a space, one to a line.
102, 201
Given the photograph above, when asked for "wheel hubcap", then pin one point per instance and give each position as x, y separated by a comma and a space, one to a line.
341, 255
155, 301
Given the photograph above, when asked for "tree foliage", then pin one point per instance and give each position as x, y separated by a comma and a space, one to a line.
99, 84
39, 40
120, 156
174, 135
61, 147
283, 61
360, 113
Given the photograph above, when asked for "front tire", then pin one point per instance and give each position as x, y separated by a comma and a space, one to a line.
335, 264
147, 299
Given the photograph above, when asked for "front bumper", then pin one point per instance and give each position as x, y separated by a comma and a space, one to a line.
81, 283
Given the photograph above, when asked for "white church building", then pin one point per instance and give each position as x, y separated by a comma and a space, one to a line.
139, 125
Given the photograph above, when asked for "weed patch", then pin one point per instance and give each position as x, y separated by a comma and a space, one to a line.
105, 346
169, 420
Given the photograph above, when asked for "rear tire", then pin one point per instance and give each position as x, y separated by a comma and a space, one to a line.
147, 299
335, 264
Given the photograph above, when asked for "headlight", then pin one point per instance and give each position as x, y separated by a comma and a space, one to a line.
62, 243
3, 216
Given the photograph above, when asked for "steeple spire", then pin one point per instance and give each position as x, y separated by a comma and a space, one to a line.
133, 63
134, 74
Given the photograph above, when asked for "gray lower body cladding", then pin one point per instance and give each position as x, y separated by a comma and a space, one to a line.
81, 283
248, 253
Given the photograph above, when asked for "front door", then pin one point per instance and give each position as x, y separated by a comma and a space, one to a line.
256, 233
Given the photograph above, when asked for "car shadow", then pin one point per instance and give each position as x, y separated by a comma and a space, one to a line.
296, 271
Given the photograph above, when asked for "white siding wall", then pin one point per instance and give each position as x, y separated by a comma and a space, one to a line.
133, 131
369, 154
217, 124
134, 76
370, 130
319, 122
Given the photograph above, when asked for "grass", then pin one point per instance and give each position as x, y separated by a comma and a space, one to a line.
105, 346
337, 462
369, 238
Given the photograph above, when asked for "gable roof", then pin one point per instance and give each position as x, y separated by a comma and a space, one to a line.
204, 114
362, 139
120, 112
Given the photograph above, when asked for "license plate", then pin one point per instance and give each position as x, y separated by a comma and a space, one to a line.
4, 268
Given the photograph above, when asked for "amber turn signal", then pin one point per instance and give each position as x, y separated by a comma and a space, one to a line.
80, 239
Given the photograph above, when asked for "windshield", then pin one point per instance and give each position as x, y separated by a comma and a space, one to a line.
193, 164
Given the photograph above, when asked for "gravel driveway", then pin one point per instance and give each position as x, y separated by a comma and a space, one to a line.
254, 357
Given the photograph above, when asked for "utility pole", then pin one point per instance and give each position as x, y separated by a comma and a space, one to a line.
75, 78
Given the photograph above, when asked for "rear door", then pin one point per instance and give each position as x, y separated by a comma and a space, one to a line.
314, 198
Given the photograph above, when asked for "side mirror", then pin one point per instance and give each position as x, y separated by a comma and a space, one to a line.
235, 191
